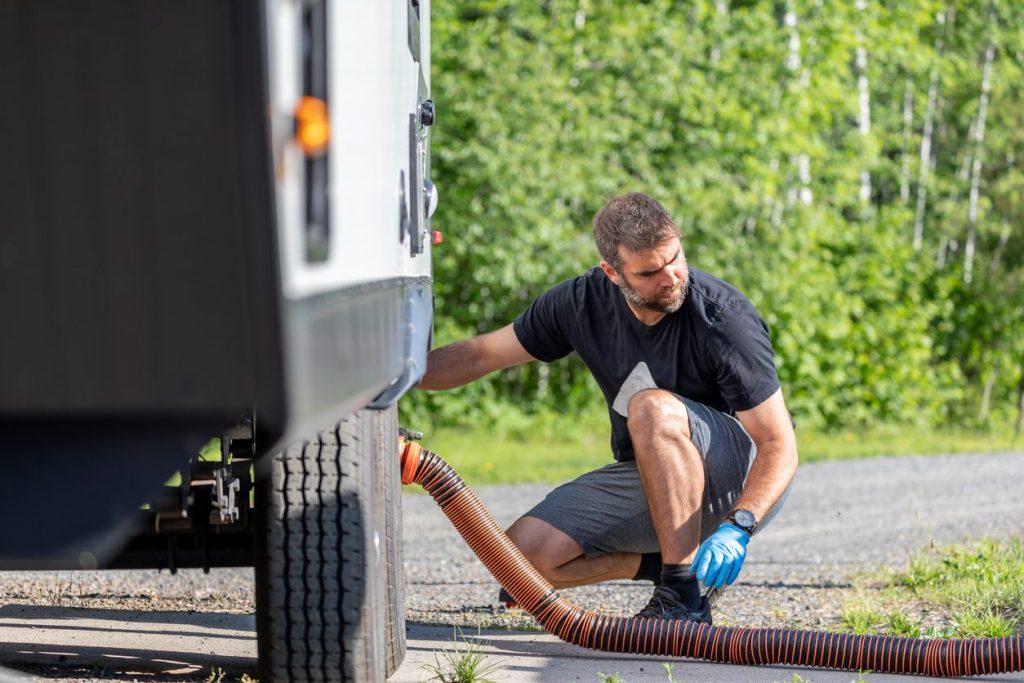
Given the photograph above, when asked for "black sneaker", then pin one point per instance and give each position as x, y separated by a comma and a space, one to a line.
665, 604
506, 599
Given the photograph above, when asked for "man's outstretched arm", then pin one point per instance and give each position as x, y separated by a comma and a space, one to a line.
470, 359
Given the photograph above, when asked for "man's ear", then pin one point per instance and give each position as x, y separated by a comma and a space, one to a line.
611, 273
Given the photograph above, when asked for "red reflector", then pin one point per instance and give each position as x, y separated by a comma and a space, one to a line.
436, 237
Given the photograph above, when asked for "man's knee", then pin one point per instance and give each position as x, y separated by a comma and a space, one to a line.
546, 547
651, 410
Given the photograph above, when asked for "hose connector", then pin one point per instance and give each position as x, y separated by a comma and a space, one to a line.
411, 455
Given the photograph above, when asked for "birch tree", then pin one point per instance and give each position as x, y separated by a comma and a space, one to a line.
979, 140
863, 98
926, 136
908, 127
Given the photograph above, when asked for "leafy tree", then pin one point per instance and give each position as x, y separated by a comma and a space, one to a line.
760, 126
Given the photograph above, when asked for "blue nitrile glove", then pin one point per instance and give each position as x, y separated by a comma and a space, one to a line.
720, 558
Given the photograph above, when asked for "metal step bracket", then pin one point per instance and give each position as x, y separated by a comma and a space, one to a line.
225, 494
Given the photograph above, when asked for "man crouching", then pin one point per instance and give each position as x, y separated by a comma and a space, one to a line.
703, 442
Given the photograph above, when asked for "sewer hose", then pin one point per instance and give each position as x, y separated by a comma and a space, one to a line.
675, 638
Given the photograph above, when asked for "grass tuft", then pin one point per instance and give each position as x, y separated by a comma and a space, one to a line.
984, 625
861, 620
982, 585
974, 591
463, 662
902, 625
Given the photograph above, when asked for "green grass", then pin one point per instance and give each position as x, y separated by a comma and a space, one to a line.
551, 449
899, 440
482, 458
861, 620
982, 586
463, 661
900, 624
972, 591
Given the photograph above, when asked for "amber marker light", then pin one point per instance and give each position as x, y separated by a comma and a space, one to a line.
312, 126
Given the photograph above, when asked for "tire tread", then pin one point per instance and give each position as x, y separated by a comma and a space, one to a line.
321, 598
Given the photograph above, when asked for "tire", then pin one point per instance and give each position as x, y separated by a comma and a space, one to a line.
389, 495
322, 597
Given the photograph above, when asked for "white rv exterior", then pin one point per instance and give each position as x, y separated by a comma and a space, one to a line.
375, 84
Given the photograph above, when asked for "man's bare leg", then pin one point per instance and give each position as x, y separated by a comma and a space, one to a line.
671, 471
560, 559
672, 475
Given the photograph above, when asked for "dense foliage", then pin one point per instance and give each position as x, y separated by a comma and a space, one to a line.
853, 167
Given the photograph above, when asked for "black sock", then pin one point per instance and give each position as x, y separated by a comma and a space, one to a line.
679, 578
650, 568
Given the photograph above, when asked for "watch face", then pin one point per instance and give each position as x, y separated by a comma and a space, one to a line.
745, 519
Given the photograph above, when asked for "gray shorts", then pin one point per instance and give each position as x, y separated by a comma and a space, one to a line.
605, 511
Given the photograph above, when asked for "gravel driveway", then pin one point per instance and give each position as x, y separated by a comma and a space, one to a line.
843, 518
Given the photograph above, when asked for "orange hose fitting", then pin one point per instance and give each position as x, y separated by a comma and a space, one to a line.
662, 637
410, 460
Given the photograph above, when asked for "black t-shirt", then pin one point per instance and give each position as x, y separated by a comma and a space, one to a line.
715, 349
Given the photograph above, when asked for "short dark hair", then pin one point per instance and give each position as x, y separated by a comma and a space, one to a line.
634, 221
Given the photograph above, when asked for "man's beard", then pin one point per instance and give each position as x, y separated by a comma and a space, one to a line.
667, 302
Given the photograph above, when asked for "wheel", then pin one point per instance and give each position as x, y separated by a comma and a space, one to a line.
323, 549
389, 495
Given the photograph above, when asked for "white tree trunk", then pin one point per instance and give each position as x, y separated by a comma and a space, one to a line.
803, 163
963, 174
543, 380
986, 396
908, 126
1003, 239
926, 140
979, 132
772, 202
1020, 400
722, 9
940, 254
863, 101
793, 61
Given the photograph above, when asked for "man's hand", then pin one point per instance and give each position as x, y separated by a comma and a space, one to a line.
720, 558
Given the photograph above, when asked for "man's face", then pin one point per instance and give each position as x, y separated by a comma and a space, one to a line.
652, 280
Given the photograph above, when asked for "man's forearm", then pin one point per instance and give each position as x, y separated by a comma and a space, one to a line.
451, 366
769, 475
470, 359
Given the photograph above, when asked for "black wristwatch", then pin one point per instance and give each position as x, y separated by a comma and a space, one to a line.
744, 519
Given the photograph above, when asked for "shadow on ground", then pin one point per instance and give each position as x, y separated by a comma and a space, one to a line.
62, 642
